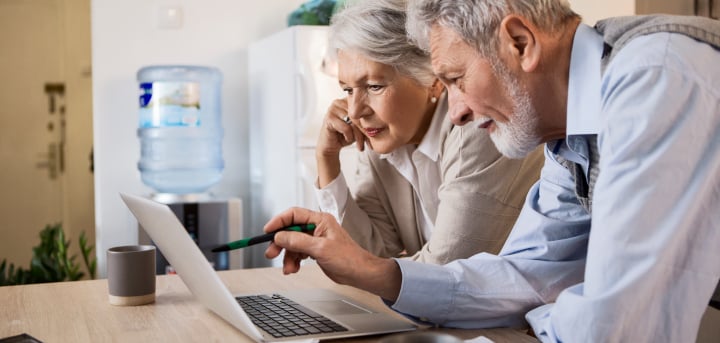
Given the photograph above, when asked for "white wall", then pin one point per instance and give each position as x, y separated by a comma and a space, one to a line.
125, 37
594, 10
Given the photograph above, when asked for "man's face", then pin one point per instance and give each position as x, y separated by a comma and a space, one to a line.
485, 92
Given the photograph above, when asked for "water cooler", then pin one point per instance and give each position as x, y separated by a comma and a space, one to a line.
180, 132
210, 221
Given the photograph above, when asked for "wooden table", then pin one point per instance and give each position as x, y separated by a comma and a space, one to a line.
79, 311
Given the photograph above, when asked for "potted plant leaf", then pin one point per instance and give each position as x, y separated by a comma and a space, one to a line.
51, 261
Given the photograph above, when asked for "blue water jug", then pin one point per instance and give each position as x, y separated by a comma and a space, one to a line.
180, 128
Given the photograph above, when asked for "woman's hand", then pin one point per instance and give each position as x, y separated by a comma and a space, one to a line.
335, 134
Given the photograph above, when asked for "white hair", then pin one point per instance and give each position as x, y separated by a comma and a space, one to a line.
477, 21
376, 30
516, 138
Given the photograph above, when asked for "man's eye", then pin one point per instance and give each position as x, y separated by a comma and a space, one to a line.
456, 81
453, 79
460, 83
348, 90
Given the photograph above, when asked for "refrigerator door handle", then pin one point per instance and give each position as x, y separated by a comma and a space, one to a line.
300, 94
306, 103
306, 92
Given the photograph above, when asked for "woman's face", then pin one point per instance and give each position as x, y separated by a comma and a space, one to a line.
390, 109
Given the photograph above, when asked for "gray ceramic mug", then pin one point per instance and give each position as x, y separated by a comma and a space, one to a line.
131, 275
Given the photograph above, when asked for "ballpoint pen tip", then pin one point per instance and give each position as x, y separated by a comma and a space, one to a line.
219, 249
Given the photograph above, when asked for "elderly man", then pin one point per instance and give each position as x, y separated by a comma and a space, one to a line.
618, 240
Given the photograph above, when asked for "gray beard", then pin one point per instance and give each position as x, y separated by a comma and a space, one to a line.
516, 138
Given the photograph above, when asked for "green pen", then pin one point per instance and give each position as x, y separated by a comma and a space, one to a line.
308, 228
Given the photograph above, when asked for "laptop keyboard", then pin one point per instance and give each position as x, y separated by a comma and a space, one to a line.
282, 317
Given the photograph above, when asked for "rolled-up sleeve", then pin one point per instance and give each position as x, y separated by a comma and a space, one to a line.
333, 197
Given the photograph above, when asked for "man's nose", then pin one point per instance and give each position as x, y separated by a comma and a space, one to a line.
460, 114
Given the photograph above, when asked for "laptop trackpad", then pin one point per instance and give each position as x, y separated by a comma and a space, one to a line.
336, 307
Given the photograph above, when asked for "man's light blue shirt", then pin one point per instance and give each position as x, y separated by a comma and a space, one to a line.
645, 267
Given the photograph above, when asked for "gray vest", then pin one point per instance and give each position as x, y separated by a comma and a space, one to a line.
616, 33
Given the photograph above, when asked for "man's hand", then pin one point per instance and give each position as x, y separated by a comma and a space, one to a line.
340, 258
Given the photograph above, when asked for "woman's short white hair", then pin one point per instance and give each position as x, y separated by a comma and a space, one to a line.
376, 30
477, 21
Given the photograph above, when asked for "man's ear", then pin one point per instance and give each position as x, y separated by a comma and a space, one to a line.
519, 40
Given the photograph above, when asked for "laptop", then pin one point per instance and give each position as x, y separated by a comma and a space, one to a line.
315, 313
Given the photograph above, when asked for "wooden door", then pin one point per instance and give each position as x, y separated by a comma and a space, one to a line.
35, 116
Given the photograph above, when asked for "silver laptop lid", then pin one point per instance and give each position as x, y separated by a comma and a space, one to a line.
170, 236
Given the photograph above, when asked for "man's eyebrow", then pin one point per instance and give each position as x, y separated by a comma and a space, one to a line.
440, 70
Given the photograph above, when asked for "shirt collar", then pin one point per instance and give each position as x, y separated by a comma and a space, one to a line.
583, 105
430, 144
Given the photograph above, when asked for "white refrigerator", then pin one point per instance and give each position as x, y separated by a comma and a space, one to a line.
290, 89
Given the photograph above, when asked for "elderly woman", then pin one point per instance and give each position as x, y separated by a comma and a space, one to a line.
426, 189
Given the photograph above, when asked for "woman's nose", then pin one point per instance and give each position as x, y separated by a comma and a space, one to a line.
460, 114
356, 106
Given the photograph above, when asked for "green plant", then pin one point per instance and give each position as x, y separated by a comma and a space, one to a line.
312, 12
50, 261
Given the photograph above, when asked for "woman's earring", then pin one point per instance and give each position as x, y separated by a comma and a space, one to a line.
433, 100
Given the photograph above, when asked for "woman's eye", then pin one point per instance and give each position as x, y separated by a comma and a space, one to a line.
375, 88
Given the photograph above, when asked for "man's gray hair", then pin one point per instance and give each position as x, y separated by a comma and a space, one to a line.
376, 30
477, 21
